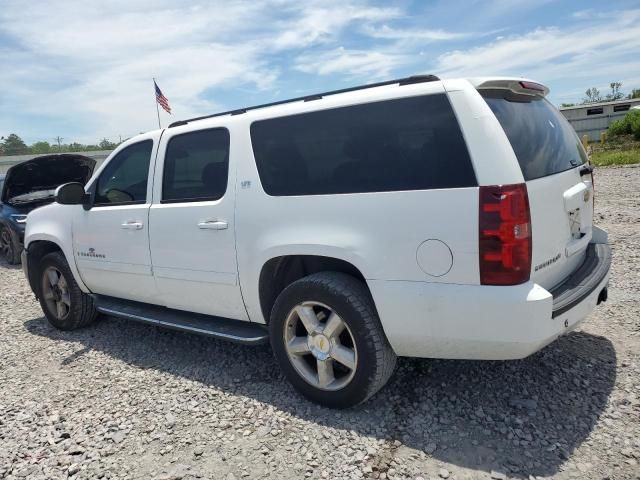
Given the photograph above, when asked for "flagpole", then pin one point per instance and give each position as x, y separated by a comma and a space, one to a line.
156, 99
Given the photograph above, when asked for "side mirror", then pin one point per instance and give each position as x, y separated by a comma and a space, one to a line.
70, 194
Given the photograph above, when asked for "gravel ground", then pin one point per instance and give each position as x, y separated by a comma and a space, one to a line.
121, 400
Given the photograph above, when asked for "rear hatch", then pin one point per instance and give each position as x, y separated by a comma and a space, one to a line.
35, 181
558, 179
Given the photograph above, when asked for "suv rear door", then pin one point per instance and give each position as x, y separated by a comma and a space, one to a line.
559, 183
192, 235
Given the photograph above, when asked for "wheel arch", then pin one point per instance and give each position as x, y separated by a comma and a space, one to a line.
37, 248
279, 272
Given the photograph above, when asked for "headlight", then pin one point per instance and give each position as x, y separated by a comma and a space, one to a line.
19, 218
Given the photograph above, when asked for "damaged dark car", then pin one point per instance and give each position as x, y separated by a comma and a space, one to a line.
32, 184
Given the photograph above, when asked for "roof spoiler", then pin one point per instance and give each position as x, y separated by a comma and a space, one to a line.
517, 85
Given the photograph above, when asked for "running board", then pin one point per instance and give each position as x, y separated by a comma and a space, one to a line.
237, 331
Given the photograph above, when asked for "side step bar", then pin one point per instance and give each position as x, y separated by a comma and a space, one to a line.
236, 331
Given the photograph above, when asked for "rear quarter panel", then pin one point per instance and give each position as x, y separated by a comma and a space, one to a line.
492, 156
379, 233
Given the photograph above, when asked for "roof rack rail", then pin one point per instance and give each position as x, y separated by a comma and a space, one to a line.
307, 98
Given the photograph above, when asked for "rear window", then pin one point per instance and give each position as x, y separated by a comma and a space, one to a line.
405, 144
196, 166
543, 140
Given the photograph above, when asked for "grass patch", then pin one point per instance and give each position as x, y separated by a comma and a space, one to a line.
617, 150
616, 157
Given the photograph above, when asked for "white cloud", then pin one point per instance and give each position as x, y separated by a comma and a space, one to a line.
352, 63
91, 64
552, 52
412, 34
320, 22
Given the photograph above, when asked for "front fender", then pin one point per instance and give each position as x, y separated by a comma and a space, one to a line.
66, 251
53, 224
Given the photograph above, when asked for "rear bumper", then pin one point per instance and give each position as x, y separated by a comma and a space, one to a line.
581, 283
484, 322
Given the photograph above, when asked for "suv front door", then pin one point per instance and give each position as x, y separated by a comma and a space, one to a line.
111, 240
191, 227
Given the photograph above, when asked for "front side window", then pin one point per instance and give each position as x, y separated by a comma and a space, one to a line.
196, 166
395, 145
124, 180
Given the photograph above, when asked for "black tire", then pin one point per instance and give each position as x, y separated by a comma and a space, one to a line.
81, 311
350, 299
10, 247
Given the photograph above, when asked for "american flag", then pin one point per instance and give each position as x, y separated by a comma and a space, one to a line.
161, 99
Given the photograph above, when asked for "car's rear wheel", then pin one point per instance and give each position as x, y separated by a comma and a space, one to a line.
328, 340
63, 303
9, 245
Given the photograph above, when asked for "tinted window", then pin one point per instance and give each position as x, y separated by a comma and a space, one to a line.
595, 111
543, 140
406, 144
621, 108
196, 166
124, 179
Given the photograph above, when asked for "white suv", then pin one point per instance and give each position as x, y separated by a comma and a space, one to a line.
416, 217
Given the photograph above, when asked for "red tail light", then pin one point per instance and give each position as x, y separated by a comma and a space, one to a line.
505, 235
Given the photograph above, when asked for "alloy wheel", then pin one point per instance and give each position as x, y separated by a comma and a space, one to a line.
55, 291
320, 346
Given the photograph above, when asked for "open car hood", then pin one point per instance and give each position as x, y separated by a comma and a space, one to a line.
35, 180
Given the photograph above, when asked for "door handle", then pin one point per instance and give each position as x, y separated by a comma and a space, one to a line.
132, 226
213, 225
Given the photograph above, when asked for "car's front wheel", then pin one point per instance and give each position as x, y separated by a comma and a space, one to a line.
63, 303
327, 337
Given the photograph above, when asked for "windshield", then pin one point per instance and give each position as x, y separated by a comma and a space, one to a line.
542, 139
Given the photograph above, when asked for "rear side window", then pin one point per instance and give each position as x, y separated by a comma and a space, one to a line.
124, 180
543, 140
405, 144
196, 166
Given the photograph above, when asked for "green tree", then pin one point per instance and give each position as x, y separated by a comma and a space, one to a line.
565, 105
106, 144
615, 94
13, 145
628, 125
592, 95
76, 147
635, 93
41, 147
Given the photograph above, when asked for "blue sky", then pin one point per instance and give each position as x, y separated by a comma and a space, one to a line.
83, 70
